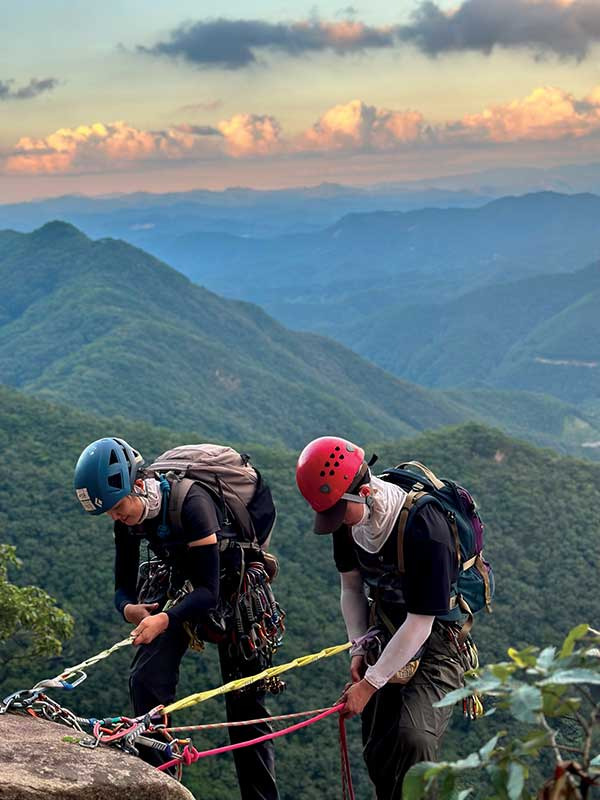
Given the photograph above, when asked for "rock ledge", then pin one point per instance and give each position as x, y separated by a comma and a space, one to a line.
36, 763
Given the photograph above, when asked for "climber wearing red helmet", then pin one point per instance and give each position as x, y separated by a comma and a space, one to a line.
404, 658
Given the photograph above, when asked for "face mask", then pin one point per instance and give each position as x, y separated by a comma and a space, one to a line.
151, 498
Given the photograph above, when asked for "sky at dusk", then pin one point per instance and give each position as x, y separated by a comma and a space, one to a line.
148, 95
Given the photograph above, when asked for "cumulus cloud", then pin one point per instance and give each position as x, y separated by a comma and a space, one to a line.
357, 125
98, 146
567, 28
547, 114
251, 135
34, 88
233, 44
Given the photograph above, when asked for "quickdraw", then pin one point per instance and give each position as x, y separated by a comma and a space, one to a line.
259, 619
472, 705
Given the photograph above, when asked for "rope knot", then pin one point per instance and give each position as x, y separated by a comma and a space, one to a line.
189, 755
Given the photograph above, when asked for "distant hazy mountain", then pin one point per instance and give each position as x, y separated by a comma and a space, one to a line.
366, 263
568, 178
104, 326
144, 219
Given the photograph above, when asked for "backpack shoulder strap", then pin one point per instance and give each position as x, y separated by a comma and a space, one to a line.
433, 479
179, 491
411, 498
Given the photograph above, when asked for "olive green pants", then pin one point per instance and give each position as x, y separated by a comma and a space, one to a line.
400, 726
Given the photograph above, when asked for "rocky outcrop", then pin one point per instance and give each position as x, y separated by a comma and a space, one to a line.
37, 762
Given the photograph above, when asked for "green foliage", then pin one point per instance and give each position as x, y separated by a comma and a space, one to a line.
106, 327
545, 690
537, 506
31, 625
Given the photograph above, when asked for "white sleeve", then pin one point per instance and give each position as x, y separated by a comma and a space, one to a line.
401, 649
355, 609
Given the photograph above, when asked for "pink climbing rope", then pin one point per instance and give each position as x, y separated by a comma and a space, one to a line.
191, 755
244, 722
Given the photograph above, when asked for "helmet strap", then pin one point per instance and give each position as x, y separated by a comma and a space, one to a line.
367, 499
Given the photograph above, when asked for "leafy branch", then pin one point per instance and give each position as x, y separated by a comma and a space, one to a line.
30, 622
540, 690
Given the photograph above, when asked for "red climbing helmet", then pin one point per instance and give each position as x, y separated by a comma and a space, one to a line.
328, 469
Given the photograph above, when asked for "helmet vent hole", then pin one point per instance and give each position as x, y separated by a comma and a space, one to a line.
332, 455
332, 472
113, 459
323, 473
338, 447
327, 464
341, 456
337, 463
115, 481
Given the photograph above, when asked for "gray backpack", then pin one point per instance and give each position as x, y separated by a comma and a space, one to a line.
236, 487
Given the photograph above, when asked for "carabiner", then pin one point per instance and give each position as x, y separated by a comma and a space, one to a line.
72, 684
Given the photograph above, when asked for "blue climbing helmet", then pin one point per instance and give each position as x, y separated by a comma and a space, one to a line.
105, 473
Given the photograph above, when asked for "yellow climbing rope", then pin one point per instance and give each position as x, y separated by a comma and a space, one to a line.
240, 683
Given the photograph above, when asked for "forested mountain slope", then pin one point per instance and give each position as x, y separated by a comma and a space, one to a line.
104, 326
107, 327
540, 510
539, 334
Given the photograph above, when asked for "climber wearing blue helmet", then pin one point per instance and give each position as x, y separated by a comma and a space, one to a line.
109, 480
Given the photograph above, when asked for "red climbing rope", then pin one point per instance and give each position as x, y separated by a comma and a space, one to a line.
347, 787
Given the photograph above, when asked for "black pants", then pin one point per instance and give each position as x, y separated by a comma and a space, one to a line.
153, 681
400, 726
